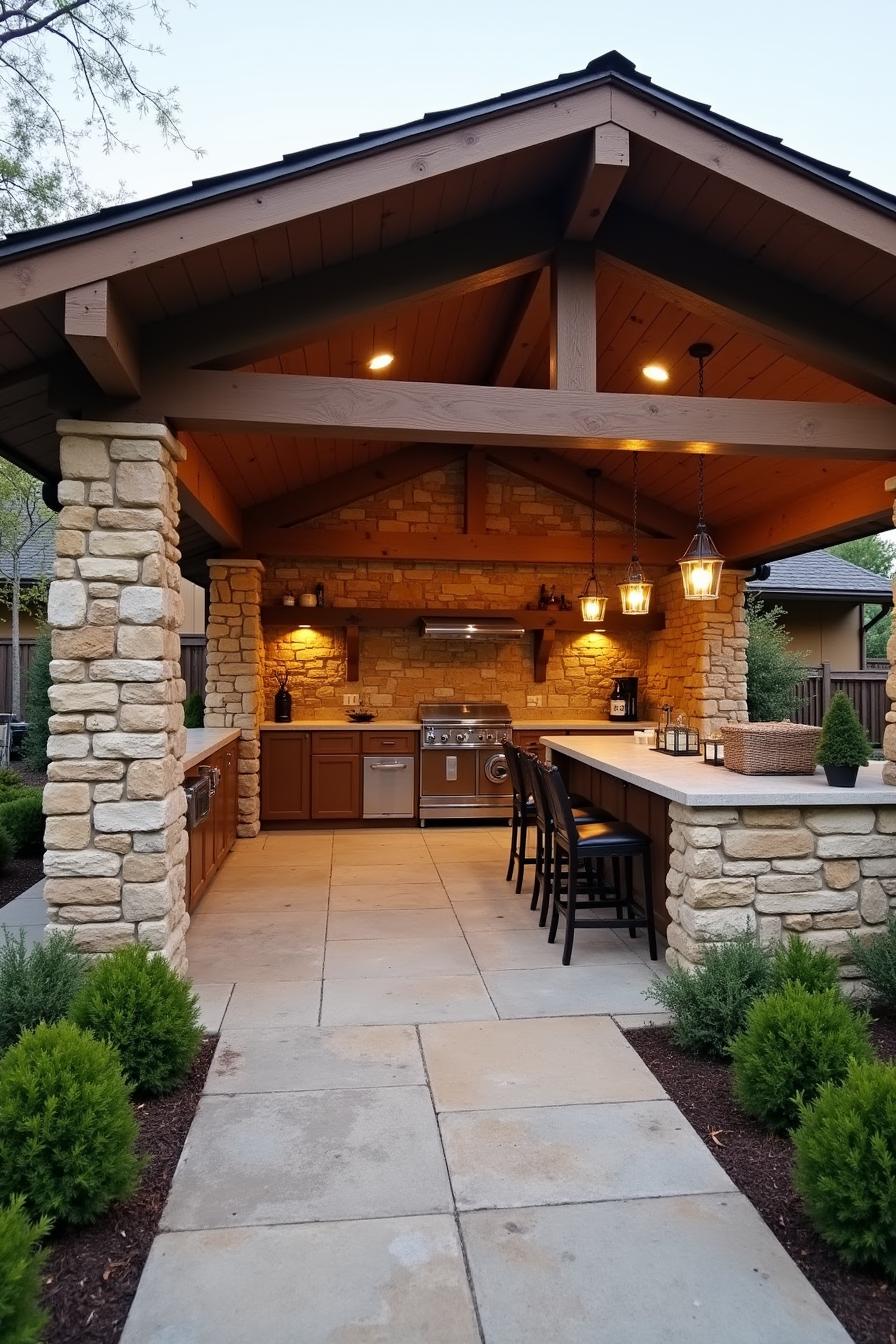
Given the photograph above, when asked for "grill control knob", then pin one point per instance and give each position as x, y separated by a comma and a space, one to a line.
461, 737
444, 737
430, 735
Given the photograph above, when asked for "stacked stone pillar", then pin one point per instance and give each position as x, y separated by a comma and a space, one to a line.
115, 840
234, 684
889, 742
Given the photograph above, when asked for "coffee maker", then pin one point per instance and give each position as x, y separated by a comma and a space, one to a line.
624, 700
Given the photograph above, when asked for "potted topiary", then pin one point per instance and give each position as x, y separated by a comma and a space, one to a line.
843, 745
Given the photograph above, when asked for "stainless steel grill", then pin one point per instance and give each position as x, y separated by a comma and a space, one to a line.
463, 773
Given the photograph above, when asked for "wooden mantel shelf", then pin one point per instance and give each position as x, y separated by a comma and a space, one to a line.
544, 623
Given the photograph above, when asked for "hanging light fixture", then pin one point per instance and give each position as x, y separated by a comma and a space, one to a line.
635, 590
702, 564
593, 599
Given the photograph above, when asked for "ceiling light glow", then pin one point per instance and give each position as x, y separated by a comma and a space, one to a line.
657, 373
380, 361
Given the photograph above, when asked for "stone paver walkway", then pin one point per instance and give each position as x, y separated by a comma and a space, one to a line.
420, 1127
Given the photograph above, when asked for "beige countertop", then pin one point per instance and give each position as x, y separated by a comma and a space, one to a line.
584, 725
377, 725
201, 742
685, 779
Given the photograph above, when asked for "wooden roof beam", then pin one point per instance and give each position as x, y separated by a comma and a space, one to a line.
366, 408
613, 500
605, 167
368, 544
838, 511
280, 317
336, 492
527, 327
206, 500
98, 328
711, 282
573, 331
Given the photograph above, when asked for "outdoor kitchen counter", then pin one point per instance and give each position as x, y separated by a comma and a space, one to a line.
323, 725
202, 742
686, 780
583, 725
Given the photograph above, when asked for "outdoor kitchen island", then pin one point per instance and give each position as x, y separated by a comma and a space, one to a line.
770, 853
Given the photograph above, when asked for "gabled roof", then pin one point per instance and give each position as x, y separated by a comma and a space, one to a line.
38, 554
612, 68
820, 574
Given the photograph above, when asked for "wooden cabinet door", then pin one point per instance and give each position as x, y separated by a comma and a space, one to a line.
284, 777
335, 787
230, 799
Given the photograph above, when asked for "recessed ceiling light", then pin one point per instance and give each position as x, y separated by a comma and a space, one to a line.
657, 373
381, 361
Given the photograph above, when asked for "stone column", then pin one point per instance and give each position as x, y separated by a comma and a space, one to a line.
234, 680
889, 742
115, 833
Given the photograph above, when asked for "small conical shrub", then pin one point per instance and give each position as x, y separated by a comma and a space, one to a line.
37, 706
843, 739
194, 710
37, 984
812, 967
21, 1318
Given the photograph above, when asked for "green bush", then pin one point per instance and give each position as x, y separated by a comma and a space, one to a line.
812, 967
67, 1129
37, 706
846, 1165
774, 670
843, 740
22, 818
137, 1003
5, 850
194, 710
36, 985
10, 778
21, 1262
795, 1041
709, 1006
876, 959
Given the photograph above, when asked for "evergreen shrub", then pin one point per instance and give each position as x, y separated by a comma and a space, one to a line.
22, 818
37, 705
876, 960
21, 1261
843, 740
812, 967
36, 984
709, 1006
194, 710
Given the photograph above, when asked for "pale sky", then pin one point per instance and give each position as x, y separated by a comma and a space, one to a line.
263, 79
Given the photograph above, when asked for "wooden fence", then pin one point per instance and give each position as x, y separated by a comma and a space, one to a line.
192, 654
866, 690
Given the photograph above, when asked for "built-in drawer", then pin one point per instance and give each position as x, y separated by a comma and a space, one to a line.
335, 744
389, 744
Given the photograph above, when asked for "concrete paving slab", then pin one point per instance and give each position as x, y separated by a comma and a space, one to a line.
309, 1059
245, 957
354, 874
32, 933
213, 1001
250, 897
392, 924
297, 925
527, 949
478, 888
388, 1281
365, 958
396, 896
695, 1269
491, 913
23, 910
295, 1157
575, 1154
570, 990
273, 1004
407, 998
494, 1065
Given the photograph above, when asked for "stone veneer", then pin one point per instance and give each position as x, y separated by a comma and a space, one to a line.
820, 872
115, 842
234, 681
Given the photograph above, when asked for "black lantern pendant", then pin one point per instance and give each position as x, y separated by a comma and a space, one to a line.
702, 564
593, 599
635, 590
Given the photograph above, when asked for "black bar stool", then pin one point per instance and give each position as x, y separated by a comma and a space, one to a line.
599, 840
523, 814
583, 811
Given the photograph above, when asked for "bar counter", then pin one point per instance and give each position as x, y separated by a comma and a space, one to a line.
773, 855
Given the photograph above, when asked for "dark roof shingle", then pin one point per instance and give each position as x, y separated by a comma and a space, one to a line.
818, 573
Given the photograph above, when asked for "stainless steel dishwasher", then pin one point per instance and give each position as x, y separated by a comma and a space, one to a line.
389, 789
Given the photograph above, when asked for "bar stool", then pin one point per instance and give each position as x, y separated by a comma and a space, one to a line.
583, 811
598, 840
523, 813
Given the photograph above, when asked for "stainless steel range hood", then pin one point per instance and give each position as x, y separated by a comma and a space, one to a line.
466, 627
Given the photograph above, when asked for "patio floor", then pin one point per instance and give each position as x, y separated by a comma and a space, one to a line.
419, 1126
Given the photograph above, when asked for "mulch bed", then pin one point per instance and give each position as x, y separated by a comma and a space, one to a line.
18, 876
760, 1165
92, 1273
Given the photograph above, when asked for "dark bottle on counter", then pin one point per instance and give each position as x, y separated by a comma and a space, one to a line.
283, 706
319, 593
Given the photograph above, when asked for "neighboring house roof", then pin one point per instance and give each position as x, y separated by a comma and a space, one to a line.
818, 574
612, 68
38, 555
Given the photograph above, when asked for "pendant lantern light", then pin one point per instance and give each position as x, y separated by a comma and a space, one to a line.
593, 599
635, 590
702, 564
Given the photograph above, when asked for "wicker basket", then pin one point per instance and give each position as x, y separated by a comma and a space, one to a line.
770, 748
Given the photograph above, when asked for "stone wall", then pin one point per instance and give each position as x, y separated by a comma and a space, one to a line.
889, 743
115, 834
698, 663
234, 681
820, 872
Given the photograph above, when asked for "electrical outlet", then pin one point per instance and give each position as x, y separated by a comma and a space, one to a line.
533, 701
351, 699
